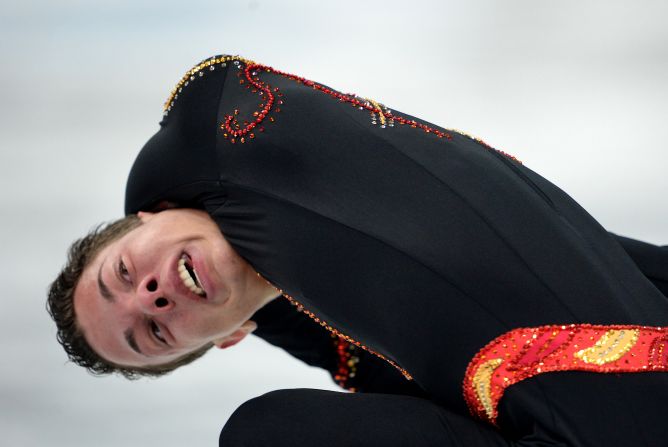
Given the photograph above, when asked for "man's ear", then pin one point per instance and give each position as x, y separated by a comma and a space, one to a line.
145, 216
236, 336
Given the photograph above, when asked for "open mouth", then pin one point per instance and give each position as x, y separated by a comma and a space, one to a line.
189, 277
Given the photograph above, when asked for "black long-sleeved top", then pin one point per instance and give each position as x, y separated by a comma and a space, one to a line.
421, 243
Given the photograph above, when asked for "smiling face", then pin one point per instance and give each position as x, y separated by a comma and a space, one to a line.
167, 288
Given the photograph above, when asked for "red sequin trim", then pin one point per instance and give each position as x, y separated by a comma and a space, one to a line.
251, 74
526, 352
232, 128
341, 335
346, 367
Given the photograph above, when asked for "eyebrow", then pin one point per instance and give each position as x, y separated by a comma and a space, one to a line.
107, 295
132, 341
104, 290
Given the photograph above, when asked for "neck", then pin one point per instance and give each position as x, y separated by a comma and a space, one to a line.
266, 292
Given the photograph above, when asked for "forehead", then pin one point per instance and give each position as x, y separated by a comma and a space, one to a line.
97, 319
104, 323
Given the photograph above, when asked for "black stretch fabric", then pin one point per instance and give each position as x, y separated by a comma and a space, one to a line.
422, 248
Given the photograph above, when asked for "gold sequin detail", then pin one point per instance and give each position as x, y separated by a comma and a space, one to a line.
528, 352
482, 383
197, 71
610, 347
381, 115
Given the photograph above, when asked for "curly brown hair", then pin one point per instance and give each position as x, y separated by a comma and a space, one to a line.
60, 305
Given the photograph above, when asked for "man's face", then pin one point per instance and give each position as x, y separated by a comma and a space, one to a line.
167, 288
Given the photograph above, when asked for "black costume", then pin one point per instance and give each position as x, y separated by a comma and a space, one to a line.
419, 243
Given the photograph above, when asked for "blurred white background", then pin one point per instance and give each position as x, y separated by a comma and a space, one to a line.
576, 89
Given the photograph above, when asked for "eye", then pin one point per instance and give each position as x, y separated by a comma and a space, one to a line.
123, 271
155, 329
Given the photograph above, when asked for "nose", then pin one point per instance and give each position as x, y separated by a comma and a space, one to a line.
151, 297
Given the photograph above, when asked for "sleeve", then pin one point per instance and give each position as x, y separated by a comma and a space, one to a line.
651, 259
352, 368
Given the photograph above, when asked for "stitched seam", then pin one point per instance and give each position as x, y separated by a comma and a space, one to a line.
524, 177
485, 220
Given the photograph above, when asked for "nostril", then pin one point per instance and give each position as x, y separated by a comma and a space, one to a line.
152, 285
161, 302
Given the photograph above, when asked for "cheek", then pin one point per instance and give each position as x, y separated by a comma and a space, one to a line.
201, 325
103, 332
194, 325
95, 319
235, 269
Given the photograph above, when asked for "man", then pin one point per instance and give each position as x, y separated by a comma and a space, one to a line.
423, 247
101, 263
279, 323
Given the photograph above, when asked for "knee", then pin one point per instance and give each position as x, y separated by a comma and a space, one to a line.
257, 421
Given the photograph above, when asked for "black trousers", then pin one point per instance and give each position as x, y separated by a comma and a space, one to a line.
307, 417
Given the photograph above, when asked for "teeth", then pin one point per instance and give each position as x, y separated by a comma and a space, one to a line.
191, 283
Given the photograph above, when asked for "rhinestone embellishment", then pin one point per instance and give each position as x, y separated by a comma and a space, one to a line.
523, 353
249, 72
